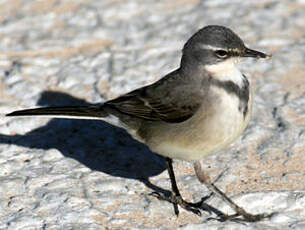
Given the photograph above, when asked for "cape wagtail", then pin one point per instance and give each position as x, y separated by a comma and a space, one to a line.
196, 110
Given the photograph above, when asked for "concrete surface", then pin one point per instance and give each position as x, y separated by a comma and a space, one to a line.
80, 174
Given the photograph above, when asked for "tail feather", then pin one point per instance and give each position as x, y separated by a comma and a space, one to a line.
65, 111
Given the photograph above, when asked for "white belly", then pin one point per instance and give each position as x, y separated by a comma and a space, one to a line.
210, 130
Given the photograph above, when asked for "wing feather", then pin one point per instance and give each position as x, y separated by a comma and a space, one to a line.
160, 101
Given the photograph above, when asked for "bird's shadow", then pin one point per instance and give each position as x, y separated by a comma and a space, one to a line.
94, 143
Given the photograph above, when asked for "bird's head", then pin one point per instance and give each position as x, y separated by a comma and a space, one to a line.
216, 44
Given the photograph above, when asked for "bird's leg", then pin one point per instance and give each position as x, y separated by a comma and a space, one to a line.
203, 178
176, 197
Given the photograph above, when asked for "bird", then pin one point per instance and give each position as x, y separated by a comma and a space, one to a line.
194, 111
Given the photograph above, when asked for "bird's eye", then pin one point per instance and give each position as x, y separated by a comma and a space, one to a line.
221, 53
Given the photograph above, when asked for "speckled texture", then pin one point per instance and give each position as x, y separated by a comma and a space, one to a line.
79, 174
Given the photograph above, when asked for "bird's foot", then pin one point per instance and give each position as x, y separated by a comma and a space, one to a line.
245, 216
177, 200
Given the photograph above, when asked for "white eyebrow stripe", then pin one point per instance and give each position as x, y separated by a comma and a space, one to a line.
209, 47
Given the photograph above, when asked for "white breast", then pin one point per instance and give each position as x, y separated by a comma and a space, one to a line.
214, 126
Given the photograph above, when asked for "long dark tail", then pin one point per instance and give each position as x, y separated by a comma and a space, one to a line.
65, 111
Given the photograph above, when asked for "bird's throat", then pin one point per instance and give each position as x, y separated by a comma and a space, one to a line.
226, 71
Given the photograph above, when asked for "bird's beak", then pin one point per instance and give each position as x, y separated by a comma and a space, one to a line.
253, 53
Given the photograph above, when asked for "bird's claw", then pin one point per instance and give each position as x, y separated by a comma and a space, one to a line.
178, 200
245, 217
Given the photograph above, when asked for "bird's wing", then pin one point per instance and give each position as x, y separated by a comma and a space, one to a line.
169, 99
